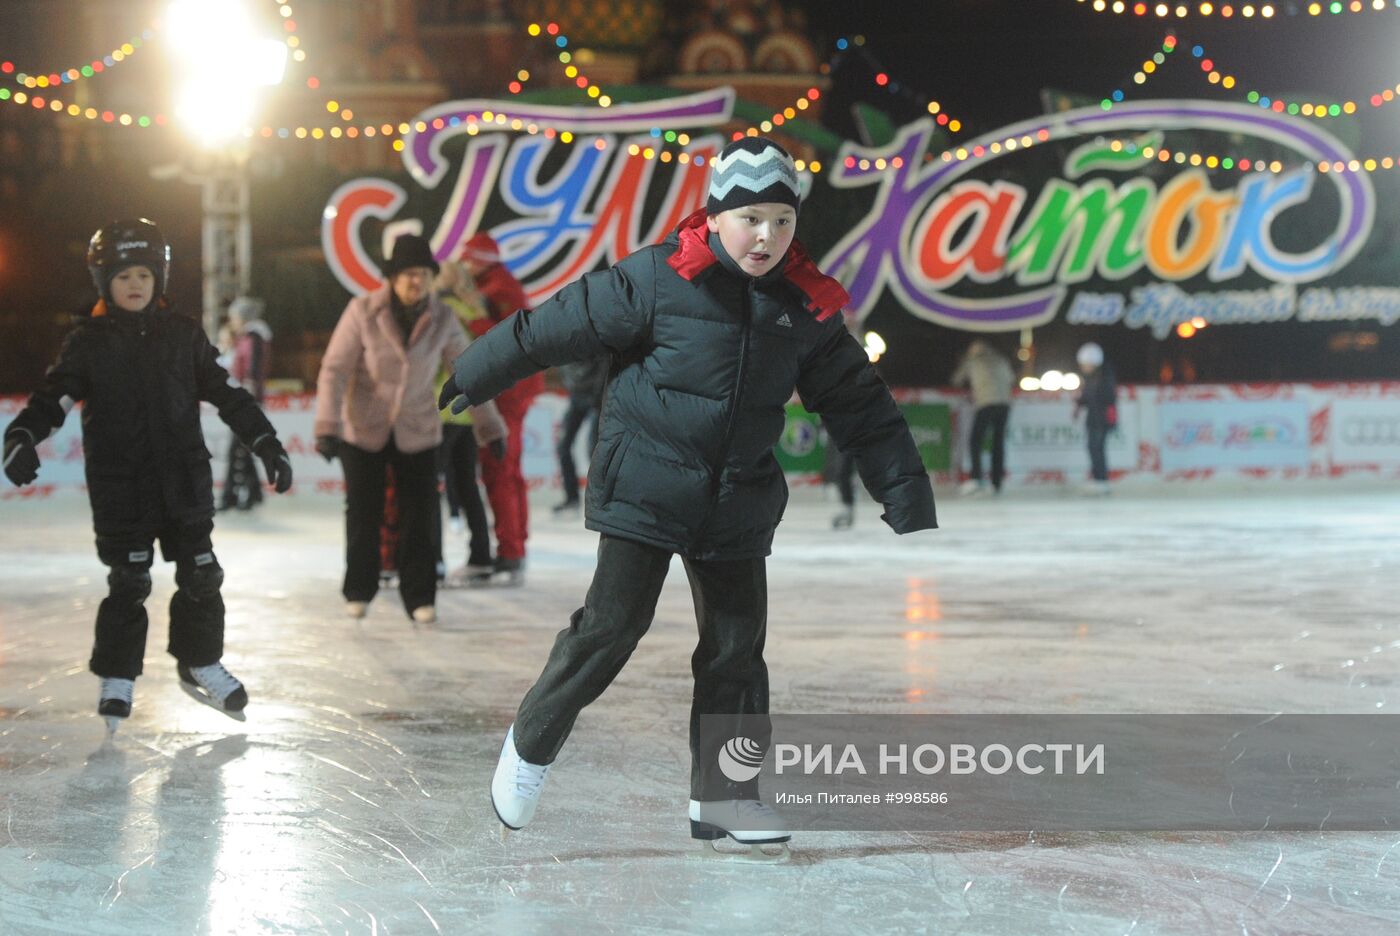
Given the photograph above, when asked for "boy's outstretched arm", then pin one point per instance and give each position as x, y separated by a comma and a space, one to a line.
241, 412
65, 385
599, 313
838, 384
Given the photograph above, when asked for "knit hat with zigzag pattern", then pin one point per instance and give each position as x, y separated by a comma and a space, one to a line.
749, 171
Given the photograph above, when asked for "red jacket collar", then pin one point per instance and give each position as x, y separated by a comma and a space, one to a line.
825, 296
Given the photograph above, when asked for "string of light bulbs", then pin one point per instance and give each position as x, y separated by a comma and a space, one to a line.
883, 79
56, 106
1281, 106
1147, 70
1229, 10
555, 35
97, 66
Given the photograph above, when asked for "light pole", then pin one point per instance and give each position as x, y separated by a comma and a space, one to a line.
223, 64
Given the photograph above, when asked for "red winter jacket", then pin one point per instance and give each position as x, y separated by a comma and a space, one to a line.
504, 295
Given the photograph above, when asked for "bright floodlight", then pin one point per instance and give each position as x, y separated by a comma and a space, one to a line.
1071, 382
223, 63
1030, 384
1052, 380
267, 62
215, 110
201, 30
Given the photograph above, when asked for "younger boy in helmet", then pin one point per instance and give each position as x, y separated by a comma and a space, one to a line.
140, 372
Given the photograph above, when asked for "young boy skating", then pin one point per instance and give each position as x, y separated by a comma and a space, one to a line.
140, 372
710, 333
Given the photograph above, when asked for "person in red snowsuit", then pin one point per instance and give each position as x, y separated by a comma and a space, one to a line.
504, 480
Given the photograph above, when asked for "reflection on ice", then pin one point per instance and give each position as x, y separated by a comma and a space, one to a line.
354, 797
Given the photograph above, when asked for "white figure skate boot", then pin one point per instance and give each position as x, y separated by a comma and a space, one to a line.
516, 786
749, 822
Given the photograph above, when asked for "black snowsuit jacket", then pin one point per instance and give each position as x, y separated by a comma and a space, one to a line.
140, 377
705, 359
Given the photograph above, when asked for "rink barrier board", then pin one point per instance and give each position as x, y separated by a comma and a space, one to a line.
1175, 434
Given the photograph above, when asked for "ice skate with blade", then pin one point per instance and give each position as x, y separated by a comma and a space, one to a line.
215, 687
749, 822
114, 701
512, 572
515, 787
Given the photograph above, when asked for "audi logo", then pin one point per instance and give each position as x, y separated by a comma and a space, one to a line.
1371, 431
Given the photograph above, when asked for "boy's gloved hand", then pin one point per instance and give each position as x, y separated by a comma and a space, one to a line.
328, 447
498, 448
21, 460
451, 394
275, 462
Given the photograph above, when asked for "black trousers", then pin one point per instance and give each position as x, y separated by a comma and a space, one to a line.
457, 462
731, 609
415, 481
196, 608
579, 412
989, 419
1097, 428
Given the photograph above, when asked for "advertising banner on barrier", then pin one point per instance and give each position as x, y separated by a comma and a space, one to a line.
1046, 444
1176, 434
932, 427
1365, 433
802, 447
1218, 434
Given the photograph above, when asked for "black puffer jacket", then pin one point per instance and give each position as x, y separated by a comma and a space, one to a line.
140, 377
705, 360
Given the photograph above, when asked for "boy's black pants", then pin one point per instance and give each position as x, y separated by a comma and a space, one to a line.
415, 486
731, 609
196, 608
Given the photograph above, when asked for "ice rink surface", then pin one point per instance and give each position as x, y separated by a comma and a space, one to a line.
354, 798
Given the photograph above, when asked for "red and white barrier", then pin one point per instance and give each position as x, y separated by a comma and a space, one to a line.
1172, 434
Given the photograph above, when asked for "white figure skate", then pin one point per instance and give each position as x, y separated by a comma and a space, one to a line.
748, 822
515, 787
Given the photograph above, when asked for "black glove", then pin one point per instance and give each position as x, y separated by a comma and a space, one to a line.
328, 447
498, 448
450, 394
21, 460
275, 462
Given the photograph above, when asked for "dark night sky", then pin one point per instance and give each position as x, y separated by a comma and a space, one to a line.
988, 59
985, 60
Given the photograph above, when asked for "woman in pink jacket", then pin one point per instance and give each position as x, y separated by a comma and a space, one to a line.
376, 408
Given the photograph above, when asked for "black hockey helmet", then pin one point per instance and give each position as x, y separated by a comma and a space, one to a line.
122, 244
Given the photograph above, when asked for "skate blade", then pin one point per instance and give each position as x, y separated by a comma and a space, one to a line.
113, 723
757, 853
194, 692
506, 830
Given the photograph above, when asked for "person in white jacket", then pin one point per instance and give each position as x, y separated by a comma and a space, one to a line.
376, 409
993, 381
